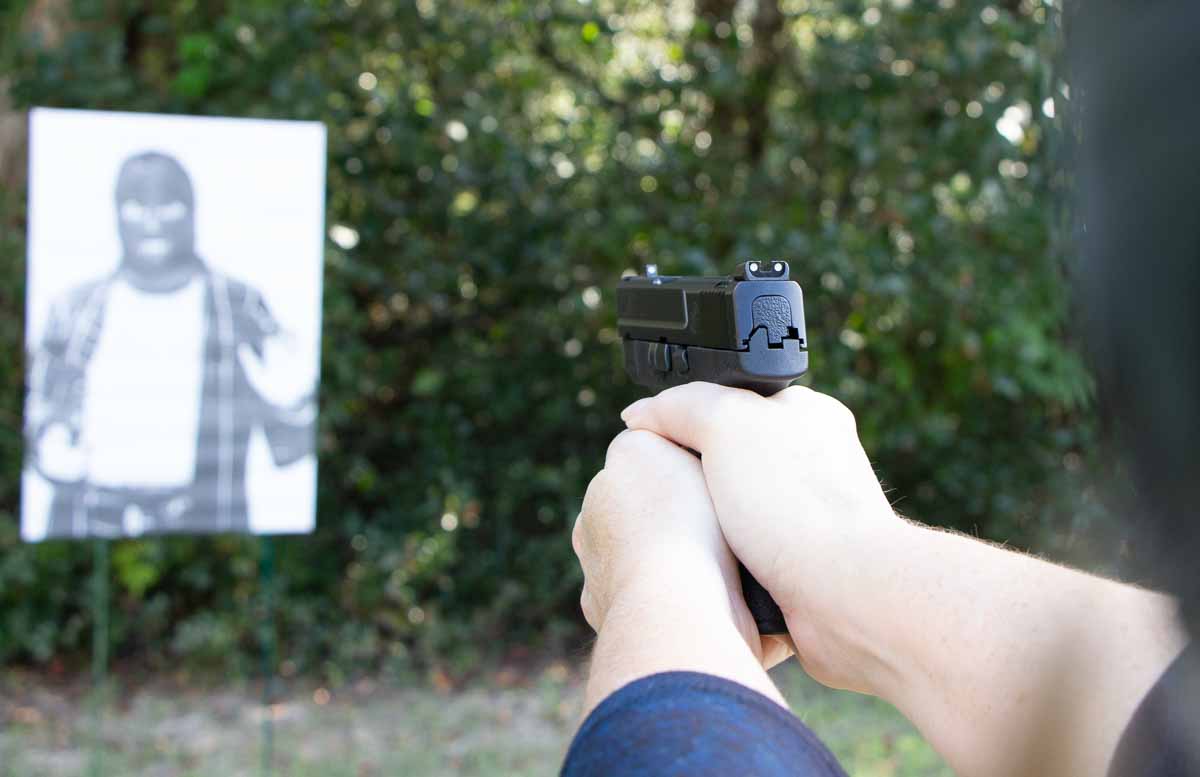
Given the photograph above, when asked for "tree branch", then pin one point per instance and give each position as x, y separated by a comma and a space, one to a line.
764, 60
546, 49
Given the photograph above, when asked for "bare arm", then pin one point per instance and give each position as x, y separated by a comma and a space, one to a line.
672, 624
1008, 664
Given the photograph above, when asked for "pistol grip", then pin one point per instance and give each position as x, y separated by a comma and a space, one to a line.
767, 615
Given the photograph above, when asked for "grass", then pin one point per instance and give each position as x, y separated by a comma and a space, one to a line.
868, 736
504, 724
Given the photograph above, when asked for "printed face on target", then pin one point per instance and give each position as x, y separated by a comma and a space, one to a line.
152, 229
155, 212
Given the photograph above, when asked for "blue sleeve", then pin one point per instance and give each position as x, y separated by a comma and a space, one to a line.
685, 723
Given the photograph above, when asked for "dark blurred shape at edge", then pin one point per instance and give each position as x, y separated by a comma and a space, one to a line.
1134, 68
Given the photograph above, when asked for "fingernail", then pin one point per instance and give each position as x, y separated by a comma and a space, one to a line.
631, 412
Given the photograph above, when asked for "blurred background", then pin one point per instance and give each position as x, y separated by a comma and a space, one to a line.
494, 167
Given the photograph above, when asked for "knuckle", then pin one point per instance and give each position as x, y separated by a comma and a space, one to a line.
577, 536
597, 496
617, 447
839, 413
728, 410
600, 505
736, 416
640, 439
588, 609
629, 444
795, 394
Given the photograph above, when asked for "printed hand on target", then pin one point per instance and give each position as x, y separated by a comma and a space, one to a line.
280, 376
58, 456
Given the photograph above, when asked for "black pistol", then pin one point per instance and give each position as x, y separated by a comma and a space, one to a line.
745, 330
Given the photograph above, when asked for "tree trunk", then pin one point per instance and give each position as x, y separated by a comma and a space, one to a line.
49, 21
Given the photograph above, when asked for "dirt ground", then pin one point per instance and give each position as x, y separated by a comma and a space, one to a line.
508, 722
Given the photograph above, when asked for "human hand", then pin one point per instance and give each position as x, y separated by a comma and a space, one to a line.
799, 505
58, 458
280, 376
648, 539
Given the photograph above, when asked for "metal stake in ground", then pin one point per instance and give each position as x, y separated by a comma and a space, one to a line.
99, 653
266, 582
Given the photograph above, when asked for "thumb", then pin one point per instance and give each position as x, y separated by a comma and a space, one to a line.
691, 414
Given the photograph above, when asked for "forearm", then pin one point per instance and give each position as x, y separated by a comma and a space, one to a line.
1011, 665
679, 620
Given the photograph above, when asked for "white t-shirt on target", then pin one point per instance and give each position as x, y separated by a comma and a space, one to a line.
141, 406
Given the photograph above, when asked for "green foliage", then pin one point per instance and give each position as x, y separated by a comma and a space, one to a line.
493, 168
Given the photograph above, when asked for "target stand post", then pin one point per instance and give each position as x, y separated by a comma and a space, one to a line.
266, 580
100, 682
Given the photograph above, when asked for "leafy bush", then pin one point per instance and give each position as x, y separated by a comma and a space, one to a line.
493, 168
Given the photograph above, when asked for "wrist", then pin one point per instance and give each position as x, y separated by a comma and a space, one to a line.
843, 619
678, 614
670, 583
884, 616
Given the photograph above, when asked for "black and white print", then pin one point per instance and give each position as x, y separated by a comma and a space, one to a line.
173, 325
